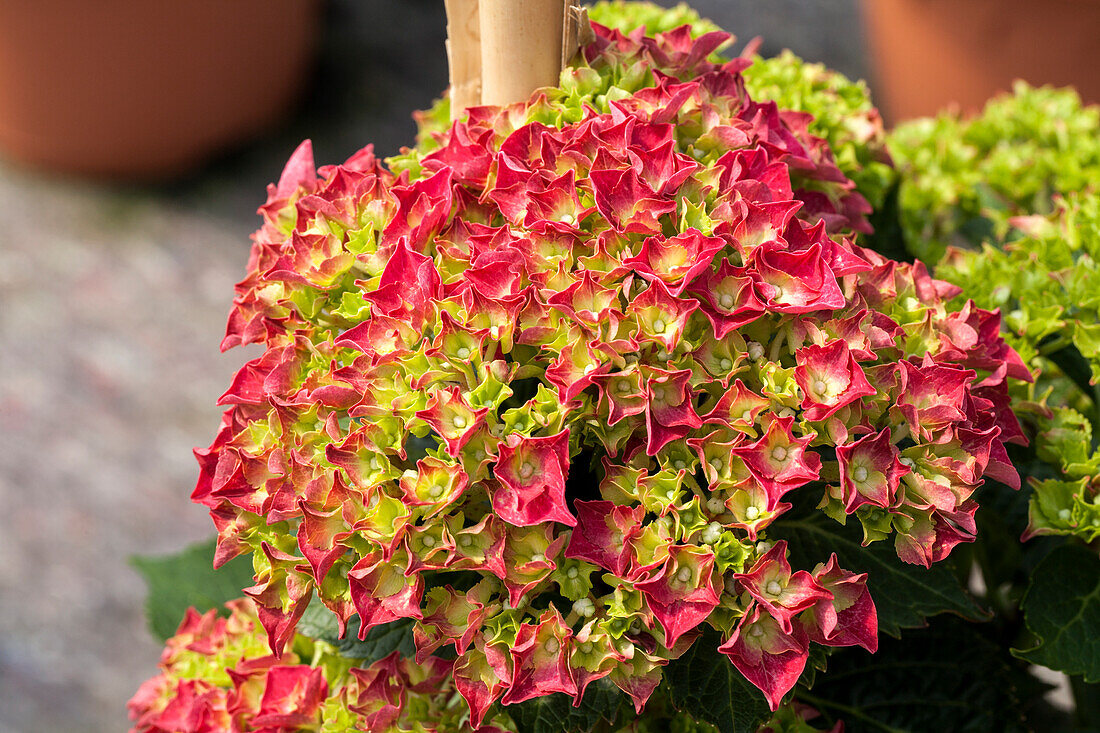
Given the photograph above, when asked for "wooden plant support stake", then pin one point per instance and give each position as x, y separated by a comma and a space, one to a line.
520, 47
502, 50
464, 54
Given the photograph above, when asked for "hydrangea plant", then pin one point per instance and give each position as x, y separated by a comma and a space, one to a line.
218, 674
1009, 201
593, 411
961, 179
1006, 205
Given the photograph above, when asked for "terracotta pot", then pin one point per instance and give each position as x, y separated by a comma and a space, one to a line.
146, 88
928, 54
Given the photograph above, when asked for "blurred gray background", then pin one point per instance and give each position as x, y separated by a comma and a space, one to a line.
112, 304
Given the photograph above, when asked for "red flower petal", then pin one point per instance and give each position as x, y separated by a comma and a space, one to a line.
532, 474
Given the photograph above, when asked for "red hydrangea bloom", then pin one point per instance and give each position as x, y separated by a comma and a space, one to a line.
678, 260
217, 675
586, 366
532, 473
681, 593
848, 617
796, 282
780, 592
540, 660
452, 419
870, 471
778, 460
603, 534
770, 658
830, 378
669, 412
729, 297
932, 396
381, 592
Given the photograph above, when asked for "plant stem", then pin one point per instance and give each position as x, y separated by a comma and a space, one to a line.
1059, 343
1087, 699
847, 710
777, 344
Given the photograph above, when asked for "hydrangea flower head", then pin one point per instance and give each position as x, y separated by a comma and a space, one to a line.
217, 674
546, 385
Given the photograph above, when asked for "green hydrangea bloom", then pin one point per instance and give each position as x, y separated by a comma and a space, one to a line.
962, 179
1043, 278
626, 16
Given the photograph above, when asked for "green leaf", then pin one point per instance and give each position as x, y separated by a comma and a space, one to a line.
555, 713
1076, 367
888, 238
905, 595
177, 582
704, 684
320, 623
948, 677
1062, 608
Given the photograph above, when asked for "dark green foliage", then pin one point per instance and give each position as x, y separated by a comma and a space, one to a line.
320, 623
603, 703
905, 595
704, 684
177, 582
1062, 609
948, 677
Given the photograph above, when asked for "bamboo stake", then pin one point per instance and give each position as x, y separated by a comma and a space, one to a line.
463, 54
521, 47
500, 51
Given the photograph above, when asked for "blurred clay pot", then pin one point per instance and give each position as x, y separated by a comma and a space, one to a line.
146, 89
928, 54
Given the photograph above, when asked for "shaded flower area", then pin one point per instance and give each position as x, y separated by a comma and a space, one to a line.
218, 674
546, 383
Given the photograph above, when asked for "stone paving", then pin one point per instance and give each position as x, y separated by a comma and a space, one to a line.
112, 304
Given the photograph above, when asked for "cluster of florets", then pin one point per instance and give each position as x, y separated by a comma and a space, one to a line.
1008, 199
218, 675
962, 178
548, 391
619, 66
